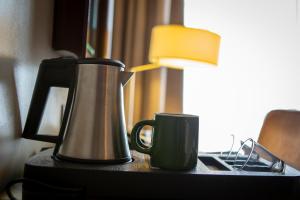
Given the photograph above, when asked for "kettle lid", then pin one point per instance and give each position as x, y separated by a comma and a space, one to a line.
102, 61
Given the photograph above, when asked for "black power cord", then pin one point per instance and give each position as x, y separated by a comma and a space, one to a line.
79, 191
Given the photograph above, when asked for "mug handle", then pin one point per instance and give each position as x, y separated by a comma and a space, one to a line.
136, 142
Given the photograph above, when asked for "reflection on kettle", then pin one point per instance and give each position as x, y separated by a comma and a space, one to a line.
93, 127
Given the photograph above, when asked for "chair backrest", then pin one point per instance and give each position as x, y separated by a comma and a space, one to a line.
280, 134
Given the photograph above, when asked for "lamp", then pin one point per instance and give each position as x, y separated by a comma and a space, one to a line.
176, 46
172, 46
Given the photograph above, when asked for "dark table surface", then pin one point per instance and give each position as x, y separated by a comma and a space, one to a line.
138, 179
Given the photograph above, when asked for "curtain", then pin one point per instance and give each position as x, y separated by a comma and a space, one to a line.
148, 92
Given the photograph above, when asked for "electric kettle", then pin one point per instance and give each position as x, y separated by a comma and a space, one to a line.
93, 127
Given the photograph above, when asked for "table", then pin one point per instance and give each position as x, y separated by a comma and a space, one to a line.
138, 180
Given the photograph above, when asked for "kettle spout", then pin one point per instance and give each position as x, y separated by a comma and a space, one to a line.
125, 76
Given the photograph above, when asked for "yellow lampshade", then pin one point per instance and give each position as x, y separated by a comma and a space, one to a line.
177, 46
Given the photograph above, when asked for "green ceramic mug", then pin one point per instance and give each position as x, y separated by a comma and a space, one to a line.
174, 141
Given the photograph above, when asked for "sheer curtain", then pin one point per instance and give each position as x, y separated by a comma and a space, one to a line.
258, 67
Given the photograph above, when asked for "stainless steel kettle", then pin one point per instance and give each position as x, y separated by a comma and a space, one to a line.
93, 127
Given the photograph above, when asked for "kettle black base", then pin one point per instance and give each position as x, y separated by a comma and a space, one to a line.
59, 157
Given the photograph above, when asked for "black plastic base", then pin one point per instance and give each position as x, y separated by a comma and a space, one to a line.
59, 157
137, 180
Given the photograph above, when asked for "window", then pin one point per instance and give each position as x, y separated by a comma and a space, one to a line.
258, 71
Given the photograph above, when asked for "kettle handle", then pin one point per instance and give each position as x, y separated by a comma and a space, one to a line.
57, 72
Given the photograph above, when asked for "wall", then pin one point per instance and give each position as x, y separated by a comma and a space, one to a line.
25, 39
258, 67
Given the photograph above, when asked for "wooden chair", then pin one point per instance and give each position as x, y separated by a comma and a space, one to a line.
280, 134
